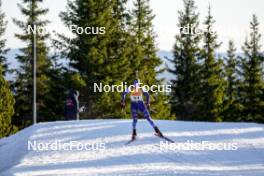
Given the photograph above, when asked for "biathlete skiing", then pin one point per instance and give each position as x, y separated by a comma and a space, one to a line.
138, 106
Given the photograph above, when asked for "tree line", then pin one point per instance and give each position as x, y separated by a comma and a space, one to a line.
208, 87
205, 87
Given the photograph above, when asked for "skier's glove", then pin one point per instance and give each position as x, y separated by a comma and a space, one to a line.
82, 109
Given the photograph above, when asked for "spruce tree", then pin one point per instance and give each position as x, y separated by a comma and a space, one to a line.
232, 106
117, 68
212, 82
3, 50
6, 106
144, 58
58, 89
98, 58
6, 96
186, 53
33, 13
252, 77
231, 102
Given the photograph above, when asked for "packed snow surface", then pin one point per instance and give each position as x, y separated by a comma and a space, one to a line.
107, 154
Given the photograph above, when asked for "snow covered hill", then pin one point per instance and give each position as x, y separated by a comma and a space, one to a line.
145, 156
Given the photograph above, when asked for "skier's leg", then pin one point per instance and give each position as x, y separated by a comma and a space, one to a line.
145, 111
134, 124
134, 114
134, 117
146, 114
134, 131
158, 132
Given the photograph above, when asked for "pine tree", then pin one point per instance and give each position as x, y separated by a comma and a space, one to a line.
231, 102
3, 50
31, 9
252, 78
145, 59
98, 58
6, 106
186, 53
212, 82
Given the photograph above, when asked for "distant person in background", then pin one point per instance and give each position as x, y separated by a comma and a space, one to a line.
71, 110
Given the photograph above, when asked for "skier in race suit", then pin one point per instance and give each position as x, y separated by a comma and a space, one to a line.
138, 105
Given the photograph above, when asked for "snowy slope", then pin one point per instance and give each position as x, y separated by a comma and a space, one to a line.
142, 157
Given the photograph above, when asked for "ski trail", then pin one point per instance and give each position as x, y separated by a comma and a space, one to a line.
144, 156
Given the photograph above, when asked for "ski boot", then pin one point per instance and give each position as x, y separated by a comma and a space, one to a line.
134, 134
158, 133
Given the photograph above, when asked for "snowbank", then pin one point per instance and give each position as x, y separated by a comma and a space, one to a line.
145, 156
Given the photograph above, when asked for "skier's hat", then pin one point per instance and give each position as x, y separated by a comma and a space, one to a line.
136, 82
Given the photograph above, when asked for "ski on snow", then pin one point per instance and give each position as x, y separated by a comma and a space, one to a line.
162, 137
165, 138
130, 141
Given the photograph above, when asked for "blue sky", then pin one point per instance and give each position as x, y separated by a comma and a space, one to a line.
232, 19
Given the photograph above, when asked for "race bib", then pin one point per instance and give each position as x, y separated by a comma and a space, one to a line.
136, 98
136, 95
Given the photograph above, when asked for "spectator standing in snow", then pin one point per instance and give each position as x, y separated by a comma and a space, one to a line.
71, 110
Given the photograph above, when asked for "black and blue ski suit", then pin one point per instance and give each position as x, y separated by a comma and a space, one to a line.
137, 103
71, 110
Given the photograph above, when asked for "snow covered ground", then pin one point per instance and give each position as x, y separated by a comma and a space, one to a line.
145, 156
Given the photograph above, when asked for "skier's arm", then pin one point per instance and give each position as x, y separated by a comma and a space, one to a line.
146, 94
124, 96
77, 104
75, 101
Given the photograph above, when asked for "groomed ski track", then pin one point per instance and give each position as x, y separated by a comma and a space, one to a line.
141, 157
